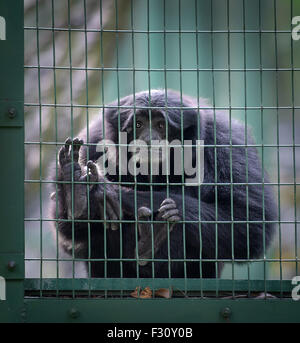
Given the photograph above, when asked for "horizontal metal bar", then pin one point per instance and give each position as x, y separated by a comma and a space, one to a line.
69, 29
131, 284
229, 108
186, 145
123, 259
184, 310
159, 221
133, 69
163, 184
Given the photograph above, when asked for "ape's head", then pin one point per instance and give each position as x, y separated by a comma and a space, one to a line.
152, 117
168, 112
144, 119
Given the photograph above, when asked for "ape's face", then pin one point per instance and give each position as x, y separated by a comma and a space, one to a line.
150, 122
149, 128
152, 129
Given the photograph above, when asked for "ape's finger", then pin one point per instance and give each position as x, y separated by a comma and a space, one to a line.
173, 219
111, 215
62, 156
68, 142
104, 218
114, 226
166, 207
167, 201
170, 213
144, 212
94, 176
145, 251
75, 148
87, 178
113, 199
160, 236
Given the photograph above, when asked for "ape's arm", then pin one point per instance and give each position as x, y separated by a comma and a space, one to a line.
80, 196
231, 227
167, 212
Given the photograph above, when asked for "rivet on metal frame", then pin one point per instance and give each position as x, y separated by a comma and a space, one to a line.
11, 265
12, 112
74, 313
226, 312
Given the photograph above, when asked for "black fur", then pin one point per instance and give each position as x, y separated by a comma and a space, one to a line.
199, 228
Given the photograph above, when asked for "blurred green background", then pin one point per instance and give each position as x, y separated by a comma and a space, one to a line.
236, 66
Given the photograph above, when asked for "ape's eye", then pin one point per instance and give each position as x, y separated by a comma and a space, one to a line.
138, 125
161, 125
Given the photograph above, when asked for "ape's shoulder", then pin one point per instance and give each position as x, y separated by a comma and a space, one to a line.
226, 130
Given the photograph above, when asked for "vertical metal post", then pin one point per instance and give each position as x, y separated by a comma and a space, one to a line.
12, 159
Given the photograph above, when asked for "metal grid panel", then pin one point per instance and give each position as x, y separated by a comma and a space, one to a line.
149, 40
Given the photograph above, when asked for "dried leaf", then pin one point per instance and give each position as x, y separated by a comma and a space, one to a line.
142, 294
136, 292
146, 293
164, 293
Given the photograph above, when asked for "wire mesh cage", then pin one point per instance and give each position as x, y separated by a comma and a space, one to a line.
222, 73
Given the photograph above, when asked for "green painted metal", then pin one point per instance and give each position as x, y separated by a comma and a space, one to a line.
11, 112
191, 48
161, 311
137, 53
270, 286
12, 160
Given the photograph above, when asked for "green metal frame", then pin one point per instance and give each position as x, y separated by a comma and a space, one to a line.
25, 307
161, 311
12, 160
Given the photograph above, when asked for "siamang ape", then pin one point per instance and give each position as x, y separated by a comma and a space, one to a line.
185, 226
